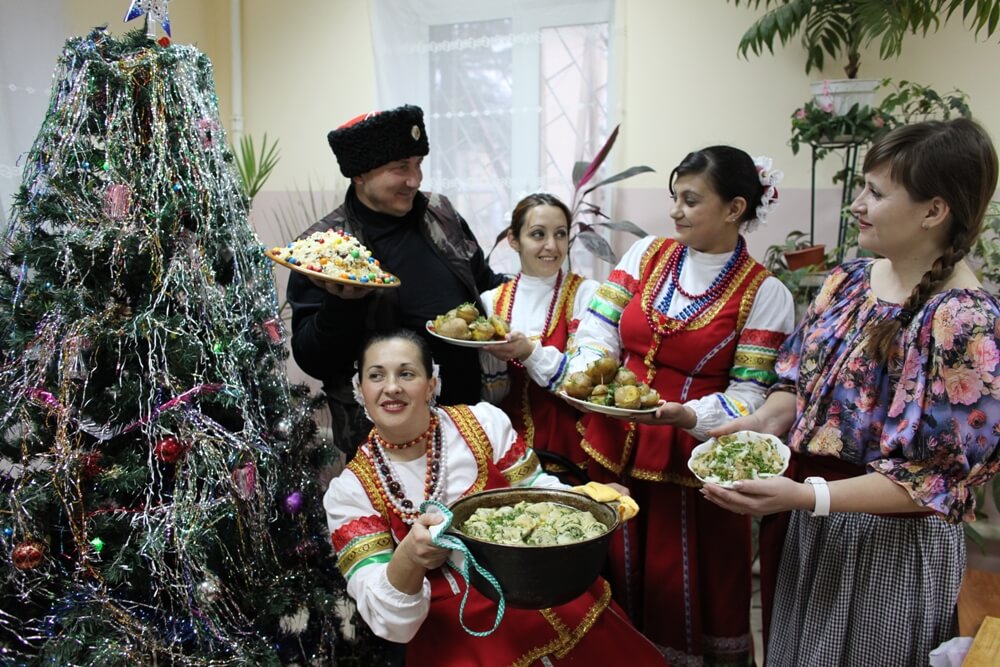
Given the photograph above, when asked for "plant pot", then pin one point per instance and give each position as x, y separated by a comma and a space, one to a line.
814, 256
844, 93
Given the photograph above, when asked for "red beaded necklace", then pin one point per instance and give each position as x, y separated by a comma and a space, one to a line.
409, 443
391, 489
659, 322
548, 316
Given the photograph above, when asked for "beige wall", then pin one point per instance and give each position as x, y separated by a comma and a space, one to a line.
308, 65
204, 23
681, 85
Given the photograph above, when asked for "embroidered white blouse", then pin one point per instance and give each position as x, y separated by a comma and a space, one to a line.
389, 613
773, 310
547, 364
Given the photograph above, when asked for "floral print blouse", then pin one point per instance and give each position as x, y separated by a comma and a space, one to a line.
929, 419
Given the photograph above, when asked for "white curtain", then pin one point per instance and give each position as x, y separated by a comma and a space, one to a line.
31, 36
513, 92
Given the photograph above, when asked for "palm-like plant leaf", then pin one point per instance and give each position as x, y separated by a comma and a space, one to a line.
255, 167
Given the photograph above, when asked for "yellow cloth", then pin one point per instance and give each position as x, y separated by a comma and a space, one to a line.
602, 493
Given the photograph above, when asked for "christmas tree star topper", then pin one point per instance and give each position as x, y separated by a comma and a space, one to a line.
156, 10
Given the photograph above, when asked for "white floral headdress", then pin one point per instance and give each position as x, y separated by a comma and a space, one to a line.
356, 384
769, 179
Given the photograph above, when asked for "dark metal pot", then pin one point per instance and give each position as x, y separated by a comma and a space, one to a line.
534, 577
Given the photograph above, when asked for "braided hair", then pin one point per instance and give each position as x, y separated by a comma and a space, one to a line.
956, 161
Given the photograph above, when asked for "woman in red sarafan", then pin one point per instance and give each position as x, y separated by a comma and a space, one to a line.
543, 305
397, 576
700, 321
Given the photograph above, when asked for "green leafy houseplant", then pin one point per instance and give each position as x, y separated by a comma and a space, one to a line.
816, 124
842, 28
582, 230
800, 281
255, 166
583, 173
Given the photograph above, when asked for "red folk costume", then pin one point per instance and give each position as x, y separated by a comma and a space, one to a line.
525, 390
589, 628
682, 567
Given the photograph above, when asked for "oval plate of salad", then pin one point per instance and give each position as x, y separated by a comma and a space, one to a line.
737, 456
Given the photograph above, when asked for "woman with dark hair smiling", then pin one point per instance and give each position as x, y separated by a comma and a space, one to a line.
543, 304
417, 452
700, 321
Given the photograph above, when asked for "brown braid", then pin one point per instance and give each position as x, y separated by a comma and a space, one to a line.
954, 160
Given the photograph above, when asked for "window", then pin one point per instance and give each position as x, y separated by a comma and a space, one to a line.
513, 94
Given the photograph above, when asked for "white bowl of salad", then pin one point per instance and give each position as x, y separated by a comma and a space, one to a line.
738, 456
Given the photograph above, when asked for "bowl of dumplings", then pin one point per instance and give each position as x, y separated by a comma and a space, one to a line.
544, 547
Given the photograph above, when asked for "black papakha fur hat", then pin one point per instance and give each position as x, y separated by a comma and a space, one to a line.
373, 139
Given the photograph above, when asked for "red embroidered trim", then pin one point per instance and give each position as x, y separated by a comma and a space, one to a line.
366, 525
517, 450
762, 338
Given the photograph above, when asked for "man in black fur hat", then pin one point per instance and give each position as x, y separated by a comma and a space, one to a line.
418, 236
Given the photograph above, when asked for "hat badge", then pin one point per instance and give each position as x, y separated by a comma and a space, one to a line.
415, 132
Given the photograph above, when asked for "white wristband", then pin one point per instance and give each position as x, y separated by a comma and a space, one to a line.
822, 493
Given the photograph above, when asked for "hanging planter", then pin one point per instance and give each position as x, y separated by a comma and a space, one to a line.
840, 95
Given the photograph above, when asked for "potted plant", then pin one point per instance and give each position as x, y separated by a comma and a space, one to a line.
582, 230
841, 28
800, 274
799, 252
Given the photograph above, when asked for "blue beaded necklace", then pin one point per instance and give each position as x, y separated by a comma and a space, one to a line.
698, 301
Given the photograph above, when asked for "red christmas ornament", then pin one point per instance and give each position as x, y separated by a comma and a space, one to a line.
274, 330
170, 449
163, 41
90, 465
245, 480
28, 555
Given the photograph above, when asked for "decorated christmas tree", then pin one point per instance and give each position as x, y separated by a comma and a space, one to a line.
159, 496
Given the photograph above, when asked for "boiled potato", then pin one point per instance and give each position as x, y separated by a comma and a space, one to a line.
603, 370
500, 325
627, 396
455, 327
481, 330
578, 385
625, 377
648, 397
468, 312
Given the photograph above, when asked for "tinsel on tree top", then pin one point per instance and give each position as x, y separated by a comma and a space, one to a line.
157, 472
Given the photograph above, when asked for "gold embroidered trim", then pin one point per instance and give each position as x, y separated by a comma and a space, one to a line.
522, 470
567, 638
666, 477
709, 314
364, 468
746, 303
567, 295
748, 359
365, 547
529, 421
472, 431
617, 295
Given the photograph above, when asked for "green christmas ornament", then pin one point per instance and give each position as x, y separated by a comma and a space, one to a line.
98, 544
